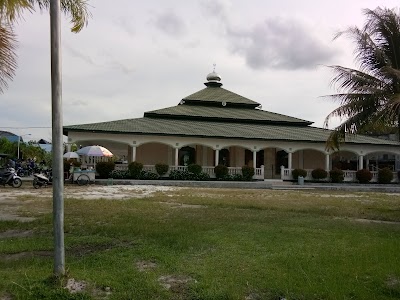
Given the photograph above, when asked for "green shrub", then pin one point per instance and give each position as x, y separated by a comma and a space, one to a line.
146, 175
161, 169
119, 174
248, 173
104, 168
319, 174
182, 175
195, 169
299, 172
202, 176
385, 176
67, 164
238, 177
336, 175
364, 176
220, 171
134, 169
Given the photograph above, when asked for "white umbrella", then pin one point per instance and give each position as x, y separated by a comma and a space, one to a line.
94, 151
71, 155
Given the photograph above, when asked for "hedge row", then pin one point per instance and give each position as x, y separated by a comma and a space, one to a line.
385, 175
193, 172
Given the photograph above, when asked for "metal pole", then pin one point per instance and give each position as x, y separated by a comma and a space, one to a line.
57, 148
19, 140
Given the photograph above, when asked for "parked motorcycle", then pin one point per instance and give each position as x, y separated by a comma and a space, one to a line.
10, 177
41, 179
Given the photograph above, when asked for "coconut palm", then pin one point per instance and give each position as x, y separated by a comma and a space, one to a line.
11, 11
369, 98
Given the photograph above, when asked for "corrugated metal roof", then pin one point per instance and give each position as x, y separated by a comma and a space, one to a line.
225, 113
219, 94
194, 128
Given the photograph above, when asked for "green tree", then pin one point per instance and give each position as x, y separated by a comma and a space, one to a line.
12, 10
369, 97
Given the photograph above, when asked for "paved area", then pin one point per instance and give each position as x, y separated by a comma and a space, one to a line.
275, 184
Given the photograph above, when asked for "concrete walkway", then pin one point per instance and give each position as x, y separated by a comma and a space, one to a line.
274, 184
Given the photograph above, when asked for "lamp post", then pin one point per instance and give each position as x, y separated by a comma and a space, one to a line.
19, 141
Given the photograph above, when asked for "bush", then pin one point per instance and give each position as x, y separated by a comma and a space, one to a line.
104, 168
248, 173
319, 174
146, 175
202, 176
238, 177
336, 175
67, 164
221, 171
385, 176
195, 169
119, 174
182, 175
299, 172
161, 169
364, 176
134, 169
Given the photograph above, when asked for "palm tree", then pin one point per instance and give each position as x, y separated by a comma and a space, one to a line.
11, 11
369, 98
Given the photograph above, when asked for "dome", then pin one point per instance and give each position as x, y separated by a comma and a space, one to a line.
213, 77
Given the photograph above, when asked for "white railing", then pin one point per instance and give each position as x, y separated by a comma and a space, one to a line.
349, 175
258, 172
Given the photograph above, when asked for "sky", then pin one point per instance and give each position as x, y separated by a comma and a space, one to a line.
137, 56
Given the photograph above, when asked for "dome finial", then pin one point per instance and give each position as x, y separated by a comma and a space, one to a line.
213, 79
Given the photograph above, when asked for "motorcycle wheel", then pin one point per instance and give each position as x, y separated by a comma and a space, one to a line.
36, 184
17, 183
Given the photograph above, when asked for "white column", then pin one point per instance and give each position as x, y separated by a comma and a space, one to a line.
327, 162
176, 156
134, 153
254, 159
216, 157
361, 162
367, 163
69, 147
290, 162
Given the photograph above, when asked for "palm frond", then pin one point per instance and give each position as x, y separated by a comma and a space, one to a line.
11, 10
8, 57
77, 10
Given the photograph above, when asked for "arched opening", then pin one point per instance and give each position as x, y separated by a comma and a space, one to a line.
281, 159
248, 158
224, 157
187, 156
345, 160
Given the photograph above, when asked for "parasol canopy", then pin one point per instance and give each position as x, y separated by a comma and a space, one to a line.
71, 155
94, 151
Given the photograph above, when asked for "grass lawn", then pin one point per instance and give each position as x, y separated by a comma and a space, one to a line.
208, 244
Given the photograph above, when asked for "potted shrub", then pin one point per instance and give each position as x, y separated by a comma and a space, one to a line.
161, 169
299, 172
336, 175
319, 174
247, 173
221, 171
104, 168
134, 169
385, 176
195, 169
364, 176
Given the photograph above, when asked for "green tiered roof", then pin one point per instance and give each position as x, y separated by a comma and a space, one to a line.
217, 112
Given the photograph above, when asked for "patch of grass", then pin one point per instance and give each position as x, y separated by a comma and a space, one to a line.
228, 244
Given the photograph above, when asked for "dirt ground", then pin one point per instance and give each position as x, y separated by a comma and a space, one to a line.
10, 198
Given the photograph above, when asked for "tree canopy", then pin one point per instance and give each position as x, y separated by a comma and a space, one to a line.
369, 97
12, 10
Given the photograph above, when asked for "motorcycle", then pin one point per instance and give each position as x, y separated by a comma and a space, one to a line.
41, 180
10, 177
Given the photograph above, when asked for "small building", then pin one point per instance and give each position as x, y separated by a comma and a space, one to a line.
216, 126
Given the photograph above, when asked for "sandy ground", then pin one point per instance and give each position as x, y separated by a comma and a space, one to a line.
87, 192
10, 201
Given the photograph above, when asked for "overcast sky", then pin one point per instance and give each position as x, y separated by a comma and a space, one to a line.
135, 56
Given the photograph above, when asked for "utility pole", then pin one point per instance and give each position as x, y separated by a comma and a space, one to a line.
57, 148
